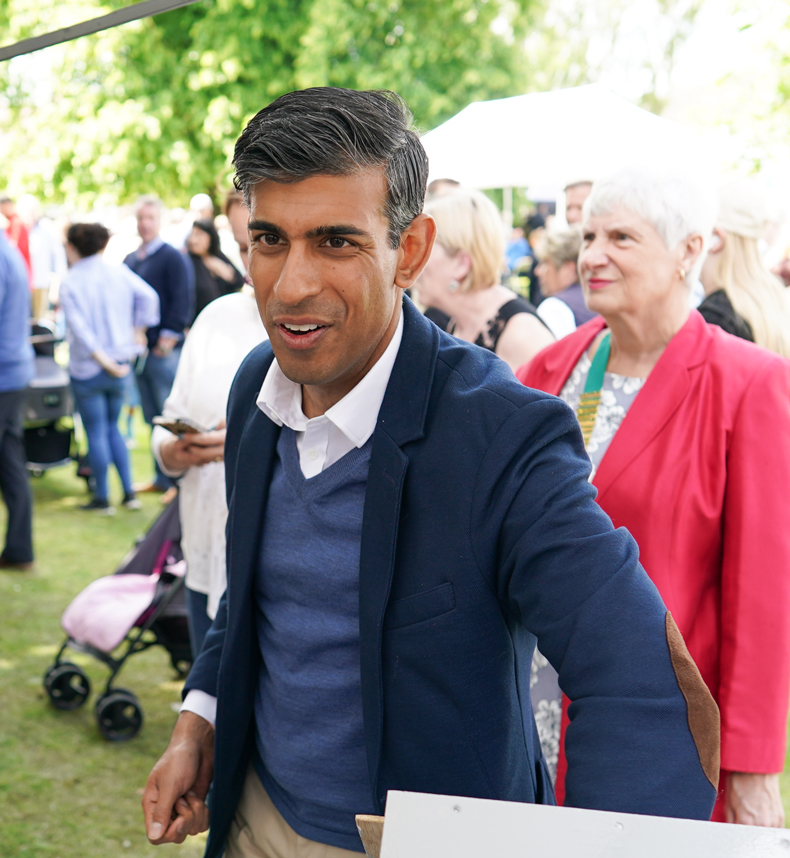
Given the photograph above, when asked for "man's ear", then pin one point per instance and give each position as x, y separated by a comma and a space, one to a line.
415, 250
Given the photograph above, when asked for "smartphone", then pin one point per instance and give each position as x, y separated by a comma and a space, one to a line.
180, 425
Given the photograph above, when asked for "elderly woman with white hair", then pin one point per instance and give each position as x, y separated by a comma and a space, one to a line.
688, 432
462, 279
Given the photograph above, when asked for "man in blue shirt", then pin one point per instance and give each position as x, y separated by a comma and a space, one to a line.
16, 371
405, 520
167, 271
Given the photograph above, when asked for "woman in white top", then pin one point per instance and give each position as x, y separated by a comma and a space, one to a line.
218, 342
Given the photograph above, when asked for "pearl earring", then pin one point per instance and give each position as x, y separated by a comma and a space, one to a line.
453, 285
682, 271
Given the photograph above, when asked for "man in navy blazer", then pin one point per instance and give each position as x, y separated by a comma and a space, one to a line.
405, 521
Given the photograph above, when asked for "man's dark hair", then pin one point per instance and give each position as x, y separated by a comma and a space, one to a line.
88, 238
533, 222
326, 131
208, 227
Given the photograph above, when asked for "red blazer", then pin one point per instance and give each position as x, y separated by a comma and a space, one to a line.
699, 473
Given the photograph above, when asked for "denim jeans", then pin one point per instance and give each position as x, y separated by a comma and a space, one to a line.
154, 384
14, 481
99, 400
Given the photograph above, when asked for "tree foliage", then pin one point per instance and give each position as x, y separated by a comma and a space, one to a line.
631, 45
156, 106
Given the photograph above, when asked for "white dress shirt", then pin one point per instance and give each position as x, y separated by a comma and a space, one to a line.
320, 441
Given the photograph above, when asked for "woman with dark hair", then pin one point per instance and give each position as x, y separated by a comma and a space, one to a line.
215, 274
107, 310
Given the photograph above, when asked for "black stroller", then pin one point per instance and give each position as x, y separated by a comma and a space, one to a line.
157, 593
49, 407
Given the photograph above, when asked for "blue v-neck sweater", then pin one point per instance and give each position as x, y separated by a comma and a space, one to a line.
308, 707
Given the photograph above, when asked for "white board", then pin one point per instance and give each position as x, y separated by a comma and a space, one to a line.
439, 826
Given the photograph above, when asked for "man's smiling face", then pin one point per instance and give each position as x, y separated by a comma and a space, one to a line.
324, 276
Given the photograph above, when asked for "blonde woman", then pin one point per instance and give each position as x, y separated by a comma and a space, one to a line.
741, 294
462, 279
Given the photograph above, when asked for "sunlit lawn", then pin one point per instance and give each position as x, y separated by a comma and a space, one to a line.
64, 791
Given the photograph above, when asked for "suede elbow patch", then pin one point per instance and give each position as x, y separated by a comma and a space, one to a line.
701, 708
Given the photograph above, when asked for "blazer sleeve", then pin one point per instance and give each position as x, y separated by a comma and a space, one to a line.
754, 686
643, 736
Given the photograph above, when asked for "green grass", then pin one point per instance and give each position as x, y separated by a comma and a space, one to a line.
64, 791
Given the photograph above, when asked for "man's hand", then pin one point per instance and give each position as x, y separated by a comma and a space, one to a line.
174, 797
754, 799
164, 345
180, 453
208, 446
176, 453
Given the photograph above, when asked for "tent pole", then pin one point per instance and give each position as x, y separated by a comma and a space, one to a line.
135, 12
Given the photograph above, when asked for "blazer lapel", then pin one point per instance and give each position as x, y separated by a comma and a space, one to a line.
401, 419
254, 464
663, 392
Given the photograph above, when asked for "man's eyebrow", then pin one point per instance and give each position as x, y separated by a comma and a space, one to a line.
316, 232
264, 226
338, 229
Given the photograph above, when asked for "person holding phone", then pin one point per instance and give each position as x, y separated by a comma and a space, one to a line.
223, 334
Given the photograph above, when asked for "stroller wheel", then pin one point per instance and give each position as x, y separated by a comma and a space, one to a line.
67, 685
119, 715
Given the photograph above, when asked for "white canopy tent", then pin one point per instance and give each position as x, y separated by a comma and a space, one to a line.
547, 139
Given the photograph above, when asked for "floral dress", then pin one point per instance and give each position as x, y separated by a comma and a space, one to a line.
617, 395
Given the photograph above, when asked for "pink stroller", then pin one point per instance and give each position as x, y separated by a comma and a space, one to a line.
142, 605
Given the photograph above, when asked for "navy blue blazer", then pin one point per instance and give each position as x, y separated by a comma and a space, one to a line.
480, 533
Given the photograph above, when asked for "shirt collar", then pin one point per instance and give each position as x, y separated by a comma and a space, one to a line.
355, 415
147, 249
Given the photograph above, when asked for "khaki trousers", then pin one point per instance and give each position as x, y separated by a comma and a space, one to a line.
259, 831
